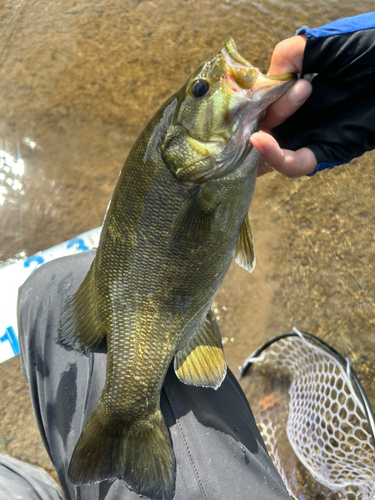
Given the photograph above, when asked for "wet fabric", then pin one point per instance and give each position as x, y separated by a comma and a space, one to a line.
337, 122
218, 449
22, 481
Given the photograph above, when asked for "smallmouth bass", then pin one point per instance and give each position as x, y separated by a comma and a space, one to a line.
177, 218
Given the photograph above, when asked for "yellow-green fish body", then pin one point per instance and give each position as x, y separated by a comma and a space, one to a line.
177, 218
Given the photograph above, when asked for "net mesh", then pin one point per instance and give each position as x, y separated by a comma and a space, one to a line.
312, 421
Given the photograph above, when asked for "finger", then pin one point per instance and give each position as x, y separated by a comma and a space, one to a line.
288, 104
289, 163
287, 56
263, 168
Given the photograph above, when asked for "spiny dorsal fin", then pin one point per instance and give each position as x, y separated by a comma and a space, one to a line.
244, 254
201, 362
192, 224
79, 324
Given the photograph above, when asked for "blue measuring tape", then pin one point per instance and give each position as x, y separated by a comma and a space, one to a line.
11, 337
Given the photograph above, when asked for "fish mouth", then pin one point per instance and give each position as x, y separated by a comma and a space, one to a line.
243, 79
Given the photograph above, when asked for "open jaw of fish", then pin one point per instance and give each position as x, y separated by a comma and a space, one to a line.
177, 218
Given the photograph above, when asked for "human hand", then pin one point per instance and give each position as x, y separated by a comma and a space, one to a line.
286, 58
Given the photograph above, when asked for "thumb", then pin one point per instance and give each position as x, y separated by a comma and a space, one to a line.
287, 105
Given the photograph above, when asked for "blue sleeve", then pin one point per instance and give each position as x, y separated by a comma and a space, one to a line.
329, 166
341, 26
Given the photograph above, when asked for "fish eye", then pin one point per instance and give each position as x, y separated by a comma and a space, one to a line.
200, 88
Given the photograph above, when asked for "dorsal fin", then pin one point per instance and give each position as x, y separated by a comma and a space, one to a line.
79, 324
201, 362
244, 254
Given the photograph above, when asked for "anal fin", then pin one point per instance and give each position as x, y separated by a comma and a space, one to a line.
244, 254
80, 327
201, 362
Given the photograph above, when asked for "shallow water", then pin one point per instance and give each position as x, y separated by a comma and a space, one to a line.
78, 83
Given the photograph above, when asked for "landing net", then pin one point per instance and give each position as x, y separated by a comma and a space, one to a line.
314, 417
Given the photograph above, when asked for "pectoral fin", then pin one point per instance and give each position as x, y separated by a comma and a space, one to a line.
202, 362
244, 254
193, 222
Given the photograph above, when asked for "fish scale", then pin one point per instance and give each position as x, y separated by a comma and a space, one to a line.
176, 220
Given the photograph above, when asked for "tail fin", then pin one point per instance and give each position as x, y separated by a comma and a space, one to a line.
140, 454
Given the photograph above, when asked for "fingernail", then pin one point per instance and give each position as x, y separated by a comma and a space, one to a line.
257, 146
300, 91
